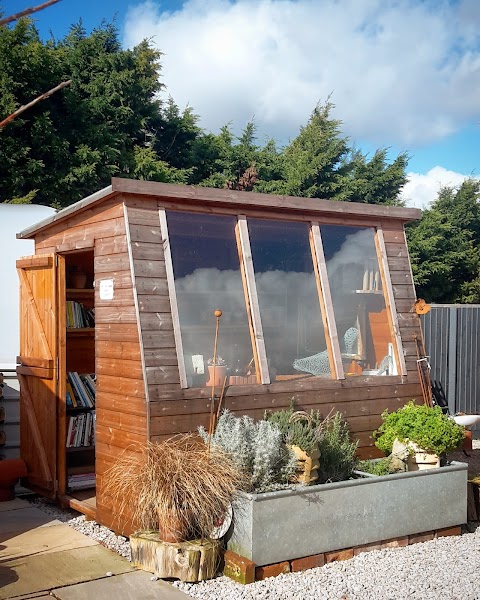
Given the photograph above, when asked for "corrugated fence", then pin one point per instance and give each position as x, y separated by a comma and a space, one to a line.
452, 342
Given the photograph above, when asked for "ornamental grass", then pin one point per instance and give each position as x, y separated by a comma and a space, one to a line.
178, 479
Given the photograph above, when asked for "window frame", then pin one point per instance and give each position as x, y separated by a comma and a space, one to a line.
252, 303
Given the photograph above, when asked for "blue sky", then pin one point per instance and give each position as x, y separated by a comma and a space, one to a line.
403, 75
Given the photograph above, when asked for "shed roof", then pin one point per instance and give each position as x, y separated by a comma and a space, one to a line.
224, 197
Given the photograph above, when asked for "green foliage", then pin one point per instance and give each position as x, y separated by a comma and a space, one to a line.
110, 122
382, 466
257, 448
71, 144
427, 427
337, 451
445, 246
299, 428
374, 181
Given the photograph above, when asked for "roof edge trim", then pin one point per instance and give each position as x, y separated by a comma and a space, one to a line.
65, 212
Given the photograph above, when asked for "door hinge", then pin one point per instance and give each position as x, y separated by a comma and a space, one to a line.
57, 369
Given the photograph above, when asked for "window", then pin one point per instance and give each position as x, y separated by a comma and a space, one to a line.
288, 299
207, 275
358, 301
297, 300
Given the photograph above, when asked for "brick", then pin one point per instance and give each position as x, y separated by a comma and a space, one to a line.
238, 568
309, 562
448, 531
338, 555
417, 538
271, 570
367, 548
399, 542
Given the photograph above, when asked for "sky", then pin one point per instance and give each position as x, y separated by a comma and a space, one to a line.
403, 74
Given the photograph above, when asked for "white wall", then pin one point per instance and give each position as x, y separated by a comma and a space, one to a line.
13, 219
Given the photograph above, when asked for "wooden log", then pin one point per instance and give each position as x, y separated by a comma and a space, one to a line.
192, 561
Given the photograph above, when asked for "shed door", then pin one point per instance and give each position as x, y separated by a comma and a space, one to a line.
37, 369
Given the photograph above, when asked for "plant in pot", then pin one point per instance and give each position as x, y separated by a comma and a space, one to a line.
177, 486
217, 371
302, 433
419, 435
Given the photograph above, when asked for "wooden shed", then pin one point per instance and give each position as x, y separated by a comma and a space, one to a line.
317, 300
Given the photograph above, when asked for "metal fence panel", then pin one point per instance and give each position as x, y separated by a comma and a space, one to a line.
451, 335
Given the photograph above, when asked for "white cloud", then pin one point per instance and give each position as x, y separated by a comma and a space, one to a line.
421, 190
400, 72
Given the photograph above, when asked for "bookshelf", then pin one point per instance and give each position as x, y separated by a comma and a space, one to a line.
78, 425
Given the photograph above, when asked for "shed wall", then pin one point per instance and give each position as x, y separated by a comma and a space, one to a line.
121, 417
173, 410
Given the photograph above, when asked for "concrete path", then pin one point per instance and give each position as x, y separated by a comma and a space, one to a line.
40, 556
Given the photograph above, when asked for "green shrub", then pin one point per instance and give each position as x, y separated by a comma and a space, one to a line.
427, 427
298, 427
337, 451
257, 448
382, 466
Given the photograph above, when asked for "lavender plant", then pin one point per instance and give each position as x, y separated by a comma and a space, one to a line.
257, 448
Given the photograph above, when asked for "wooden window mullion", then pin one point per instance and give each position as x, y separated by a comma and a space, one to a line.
323, 288
251, 297
390, 301
173, 298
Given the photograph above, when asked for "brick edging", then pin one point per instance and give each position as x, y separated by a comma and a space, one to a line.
244, 571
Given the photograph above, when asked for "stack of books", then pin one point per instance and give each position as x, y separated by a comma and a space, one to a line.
78, 316
80, 390
81, 430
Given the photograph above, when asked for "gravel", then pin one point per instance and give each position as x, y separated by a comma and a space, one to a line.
445, 568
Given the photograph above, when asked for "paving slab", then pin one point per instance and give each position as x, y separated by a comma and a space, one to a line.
24, 519
42, 595
42, 540
39, 573
14, 504
130, 586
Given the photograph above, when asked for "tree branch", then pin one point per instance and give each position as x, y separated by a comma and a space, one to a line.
27, 11
23, 108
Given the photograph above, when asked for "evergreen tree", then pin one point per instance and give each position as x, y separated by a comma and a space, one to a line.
444, 246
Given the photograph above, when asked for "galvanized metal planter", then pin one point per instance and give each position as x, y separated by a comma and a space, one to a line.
277, 526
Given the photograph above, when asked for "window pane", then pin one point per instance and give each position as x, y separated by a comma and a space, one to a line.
288, 298
207, 276
358, 300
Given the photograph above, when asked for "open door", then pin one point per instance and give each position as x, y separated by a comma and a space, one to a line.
38, 368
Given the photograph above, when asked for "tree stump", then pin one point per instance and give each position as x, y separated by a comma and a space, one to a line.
191, 561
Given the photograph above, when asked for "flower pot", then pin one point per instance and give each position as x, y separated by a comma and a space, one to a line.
416, 458
79, 280
308, 463
218, 378
421, 460
172, 528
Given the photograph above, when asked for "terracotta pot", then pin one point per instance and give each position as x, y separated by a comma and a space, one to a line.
11, 469
172, 528
220, 374
79, 280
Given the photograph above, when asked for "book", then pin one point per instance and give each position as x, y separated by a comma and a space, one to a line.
80, 392
69, 431
78, 316
71, 395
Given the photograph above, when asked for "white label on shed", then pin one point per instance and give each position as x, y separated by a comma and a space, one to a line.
106, 289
